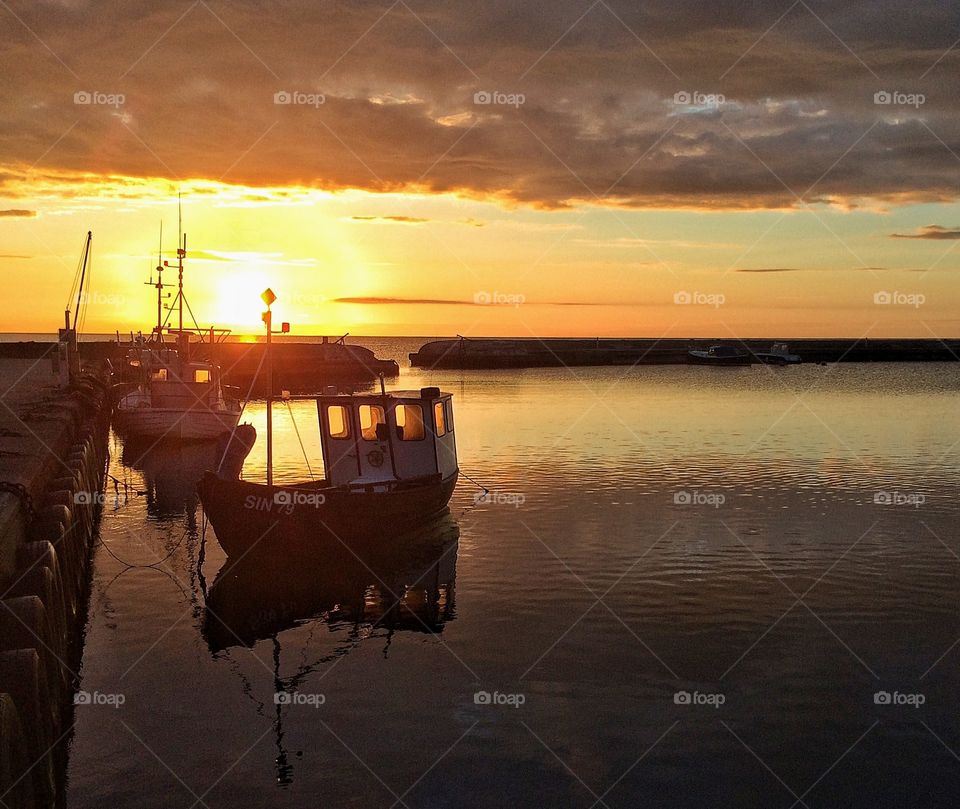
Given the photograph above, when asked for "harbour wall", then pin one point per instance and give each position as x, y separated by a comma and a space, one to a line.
297, 367
53, 453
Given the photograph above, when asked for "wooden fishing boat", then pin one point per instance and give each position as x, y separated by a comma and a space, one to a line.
390, 462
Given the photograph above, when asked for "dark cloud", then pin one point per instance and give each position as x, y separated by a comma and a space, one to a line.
930, 232
853, 102
17, 212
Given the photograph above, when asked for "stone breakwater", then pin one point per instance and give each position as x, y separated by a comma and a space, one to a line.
53, 453
499, 352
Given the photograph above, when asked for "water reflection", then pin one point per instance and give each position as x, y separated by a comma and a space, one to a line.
171, 469
406, 584
699, 595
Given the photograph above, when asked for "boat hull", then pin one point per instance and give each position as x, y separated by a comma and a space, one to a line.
778, 359
174, 424
703, 359
314, 518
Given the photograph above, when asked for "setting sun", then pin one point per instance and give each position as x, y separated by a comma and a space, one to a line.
237, 303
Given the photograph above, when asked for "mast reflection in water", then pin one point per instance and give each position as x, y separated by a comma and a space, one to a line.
405, 585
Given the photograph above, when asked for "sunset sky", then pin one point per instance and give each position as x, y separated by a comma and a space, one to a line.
488, 168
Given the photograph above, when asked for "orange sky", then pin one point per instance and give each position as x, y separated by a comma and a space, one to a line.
486, 170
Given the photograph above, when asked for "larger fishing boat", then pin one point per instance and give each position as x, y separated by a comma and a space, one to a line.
390, 461
175, 395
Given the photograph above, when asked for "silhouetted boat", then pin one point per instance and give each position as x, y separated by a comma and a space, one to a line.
779, 354
390, 461
719, 355
391, 464
176, 398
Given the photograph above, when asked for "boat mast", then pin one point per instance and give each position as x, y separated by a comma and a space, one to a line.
268, 298
66, 362
83, 275
158, 330
181, 253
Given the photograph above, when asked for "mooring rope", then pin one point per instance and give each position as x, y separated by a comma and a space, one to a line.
243, 409
303, 449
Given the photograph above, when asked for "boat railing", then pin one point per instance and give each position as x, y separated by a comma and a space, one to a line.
213, 335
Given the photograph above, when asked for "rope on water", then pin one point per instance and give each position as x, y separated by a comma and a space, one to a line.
479, 485
477, 498
154, 565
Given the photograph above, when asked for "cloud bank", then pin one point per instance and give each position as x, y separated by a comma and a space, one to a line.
668, 104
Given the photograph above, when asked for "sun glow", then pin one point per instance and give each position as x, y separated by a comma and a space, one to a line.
236, 301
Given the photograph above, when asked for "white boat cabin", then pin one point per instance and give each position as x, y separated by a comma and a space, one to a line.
400, 435
169, 381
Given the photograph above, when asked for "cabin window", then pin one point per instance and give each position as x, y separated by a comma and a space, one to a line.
439, 420
370, 417
338, 421
448, 407
159, 375
201, 375
409, 422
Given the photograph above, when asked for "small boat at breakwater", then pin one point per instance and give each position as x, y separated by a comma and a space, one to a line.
779, 354
723, 355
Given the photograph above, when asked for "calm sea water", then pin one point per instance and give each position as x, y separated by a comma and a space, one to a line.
692, 587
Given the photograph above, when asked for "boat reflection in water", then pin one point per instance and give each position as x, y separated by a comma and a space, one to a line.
403, 584
172, 468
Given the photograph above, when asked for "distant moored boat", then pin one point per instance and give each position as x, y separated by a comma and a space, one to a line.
719, 355
779, 354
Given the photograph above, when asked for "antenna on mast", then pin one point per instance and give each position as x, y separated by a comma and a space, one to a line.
159, 258
181, 254
158, 329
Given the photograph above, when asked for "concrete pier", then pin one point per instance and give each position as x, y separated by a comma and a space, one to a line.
53, 449
300, 367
